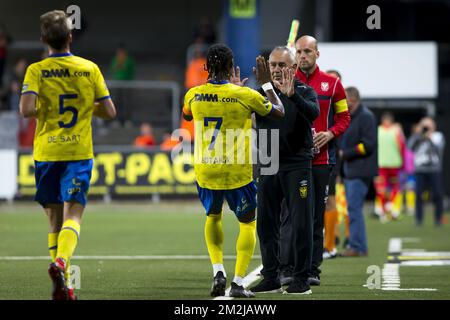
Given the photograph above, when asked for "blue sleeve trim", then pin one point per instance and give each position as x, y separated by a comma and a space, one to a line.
57, 55
219, 82
28, 92
272, 109
102, 98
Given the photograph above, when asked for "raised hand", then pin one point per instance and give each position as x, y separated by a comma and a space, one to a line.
262, 70
236, 77
286, 86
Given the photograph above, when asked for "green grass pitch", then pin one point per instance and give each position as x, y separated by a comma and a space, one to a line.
176, 228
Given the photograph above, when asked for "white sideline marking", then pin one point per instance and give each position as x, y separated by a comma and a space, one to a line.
248, 280
413, 250
411, 289
411, 240
391, 276
391, 271
441, 254
431, 263
136, 257
395, 245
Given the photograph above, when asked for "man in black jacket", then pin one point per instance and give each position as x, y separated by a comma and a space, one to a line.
359, 155
293, 180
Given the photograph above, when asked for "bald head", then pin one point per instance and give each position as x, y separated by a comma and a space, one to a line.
306, 53
307, 41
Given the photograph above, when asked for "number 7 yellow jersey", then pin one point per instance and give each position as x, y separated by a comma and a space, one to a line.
222, 115
66, 87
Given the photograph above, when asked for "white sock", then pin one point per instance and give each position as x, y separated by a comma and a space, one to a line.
219, 267
238, 280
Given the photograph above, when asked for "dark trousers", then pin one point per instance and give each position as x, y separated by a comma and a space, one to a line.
295, 186
320, 185
286, 250
429, 181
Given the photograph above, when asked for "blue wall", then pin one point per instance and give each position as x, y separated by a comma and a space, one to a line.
242, 32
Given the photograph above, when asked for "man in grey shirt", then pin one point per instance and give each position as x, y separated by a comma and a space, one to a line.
428, 147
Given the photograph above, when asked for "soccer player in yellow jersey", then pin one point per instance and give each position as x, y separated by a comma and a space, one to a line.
63, 92
220, 107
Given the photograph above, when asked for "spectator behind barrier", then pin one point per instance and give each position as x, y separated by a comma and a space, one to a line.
122, 65
359, 155
14, 83
195, 73
187, 135
391, 148
146, 138
428, 147
122, 68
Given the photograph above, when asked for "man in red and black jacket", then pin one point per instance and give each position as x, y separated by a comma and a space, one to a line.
332, 122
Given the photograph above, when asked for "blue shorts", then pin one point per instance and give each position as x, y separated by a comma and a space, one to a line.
62, 181
240, 200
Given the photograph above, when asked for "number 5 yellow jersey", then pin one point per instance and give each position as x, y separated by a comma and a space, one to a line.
66, 87
222, 115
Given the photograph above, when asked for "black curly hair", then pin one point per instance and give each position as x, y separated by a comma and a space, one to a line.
219, 62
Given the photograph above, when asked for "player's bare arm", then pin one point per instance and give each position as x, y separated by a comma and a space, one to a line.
263, 77
27, 105
105, 109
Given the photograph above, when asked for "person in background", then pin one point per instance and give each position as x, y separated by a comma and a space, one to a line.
196, 74
27, 126
332, 122
122, 68
187, 134
11, 95
146, 138
331, 217
359, 155
391, 148
428, 147
122, 65
15, 83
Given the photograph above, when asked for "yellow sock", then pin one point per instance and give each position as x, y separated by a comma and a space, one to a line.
397, 205
245, 246
53, 244
68, 239
214, 237
410, 200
